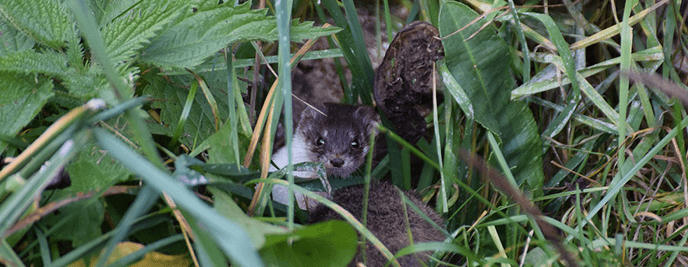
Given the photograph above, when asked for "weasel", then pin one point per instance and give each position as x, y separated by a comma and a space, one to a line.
338, 137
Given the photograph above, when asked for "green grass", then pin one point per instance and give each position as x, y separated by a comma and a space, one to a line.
535, 91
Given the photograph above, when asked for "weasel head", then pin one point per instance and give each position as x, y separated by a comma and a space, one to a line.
340, 137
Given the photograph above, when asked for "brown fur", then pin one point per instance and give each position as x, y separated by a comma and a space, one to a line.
338, 128
385, 220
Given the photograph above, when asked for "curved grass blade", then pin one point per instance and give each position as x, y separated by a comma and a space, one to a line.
12, 208
348, 217
230, 237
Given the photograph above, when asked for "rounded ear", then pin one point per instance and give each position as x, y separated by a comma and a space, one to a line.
370, 118
310, 114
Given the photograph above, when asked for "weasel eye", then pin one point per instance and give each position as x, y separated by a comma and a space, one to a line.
355, 143
320, 141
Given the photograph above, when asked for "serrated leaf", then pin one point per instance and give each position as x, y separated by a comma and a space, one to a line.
88, 83
28, 62
199, 125
85, 218
12, 40
21, 98
228, 236
106, 11
45, 21
126, 35
82, 82
92, 170
198, 36
477, 65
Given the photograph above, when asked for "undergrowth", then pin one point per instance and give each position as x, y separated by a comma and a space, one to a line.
163, 114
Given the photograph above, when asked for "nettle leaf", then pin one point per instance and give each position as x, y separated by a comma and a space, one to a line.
45, 21
125, 36
91, 170
28, 61
21, 98
477, 65
12, 40
172, 96
88, 83
85, 218
105, 11
198, 36
82, 83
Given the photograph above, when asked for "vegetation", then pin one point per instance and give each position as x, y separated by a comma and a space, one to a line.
110, 91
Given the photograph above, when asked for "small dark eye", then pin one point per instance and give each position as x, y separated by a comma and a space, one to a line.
320, 141
355, 143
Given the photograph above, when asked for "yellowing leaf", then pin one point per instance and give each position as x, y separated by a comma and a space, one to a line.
150, 260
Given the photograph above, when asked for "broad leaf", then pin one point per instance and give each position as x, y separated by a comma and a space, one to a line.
151, 258
84, 220
106, 11
254, 228
198, 36
330, 243
12, 40
45, 21
129, 32
477, 65
83, 82
21, 98
28, 61
200, 123
92, 170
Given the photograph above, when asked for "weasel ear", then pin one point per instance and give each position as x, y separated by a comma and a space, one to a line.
310, 114
370, 118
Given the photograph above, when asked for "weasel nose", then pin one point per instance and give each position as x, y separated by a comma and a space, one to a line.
337, 162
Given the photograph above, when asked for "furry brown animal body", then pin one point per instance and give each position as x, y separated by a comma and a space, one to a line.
386, 220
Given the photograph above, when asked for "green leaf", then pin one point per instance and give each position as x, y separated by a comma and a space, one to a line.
21, 98
125, 36
49, 62
305, 30
85, 218
106, 11
88, 84
12, 40
199, 125
477, 65
83, 83
231, 238
45, 21
219, 145
330, 243
198, 36
254, 228
92, 170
